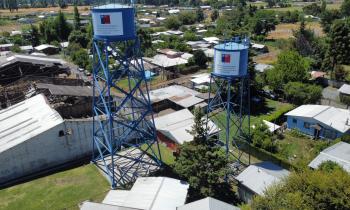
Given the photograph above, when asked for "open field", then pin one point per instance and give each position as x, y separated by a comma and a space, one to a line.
285, 30
26, 11
267, 58
64, 190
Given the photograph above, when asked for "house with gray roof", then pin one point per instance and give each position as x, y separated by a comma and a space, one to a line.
256, 178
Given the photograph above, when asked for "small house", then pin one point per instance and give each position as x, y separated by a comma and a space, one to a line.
172, 129
338, 153
256, 178
319, 121
208, 203
47, 49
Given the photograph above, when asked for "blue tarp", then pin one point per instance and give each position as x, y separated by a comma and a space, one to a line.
149, 74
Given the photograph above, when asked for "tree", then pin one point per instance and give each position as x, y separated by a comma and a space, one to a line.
214, 15
79, 38
76, 18
187, 18
145, 38
80, 58
62, 27
262, 137
15, 48
200, 15
201, 162
290, 67
172, 22
339, 44
200, 58
327, 19
263, 22
312, 9
304, 40
34, 35
339, 73
299, 93
308, 189
345, 8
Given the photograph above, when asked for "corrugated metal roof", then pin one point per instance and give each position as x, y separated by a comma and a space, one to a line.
258, 177
176, 125
30, 59
174, 93
345, 89
336, 118
64, 90
164, 61
339, 153
87, 205
307, 110
45, 46
153, 193
25, 120
208, 204
271, 126
204, 79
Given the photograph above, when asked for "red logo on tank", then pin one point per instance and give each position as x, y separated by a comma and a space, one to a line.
105, 19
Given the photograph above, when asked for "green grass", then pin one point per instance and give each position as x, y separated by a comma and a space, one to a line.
64, 190
166, 153
299, 151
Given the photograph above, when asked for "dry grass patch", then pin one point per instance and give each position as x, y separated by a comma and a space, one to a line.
285, 30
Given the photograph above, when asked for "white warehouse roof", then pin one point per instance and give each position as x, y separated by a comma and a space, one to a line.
151, 193
176, 125
25, 120
335, 118
339, 153
208, 204
258, 177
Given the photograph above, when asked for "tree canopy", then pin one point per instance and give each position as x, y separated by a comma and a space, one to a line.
290, 67
201, 162
327, 188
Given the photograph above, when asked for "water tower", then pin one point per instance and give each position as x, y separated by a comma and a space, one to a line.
229, 104
124, 135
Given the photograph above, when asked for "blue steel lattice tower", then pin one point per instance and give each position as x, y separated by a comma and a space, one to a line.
229, 100
124, 135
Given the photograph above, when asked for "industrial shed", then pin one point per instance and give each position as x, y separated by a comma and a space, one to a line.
35, 138
14, 67
338, 153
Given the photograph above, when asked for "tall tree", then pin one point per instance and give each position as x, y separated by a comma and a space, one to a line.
339, 44
345, 8
76, 18
63, 28
35, 36
290, 67
214, 15
201, 162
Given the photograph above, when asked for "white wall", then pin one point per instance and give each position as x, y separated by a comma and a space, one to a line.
47, 150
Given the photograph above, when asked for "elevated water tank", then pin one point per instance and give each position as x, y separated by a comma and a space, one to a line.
231, 60
114, 22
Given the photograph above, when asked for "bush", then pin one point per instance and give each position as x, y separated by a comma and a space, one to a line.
299, 93
172, 23
277, 115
